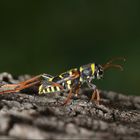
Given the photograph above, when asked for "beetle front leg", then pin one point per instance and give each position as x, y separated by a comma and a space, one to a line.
96, 94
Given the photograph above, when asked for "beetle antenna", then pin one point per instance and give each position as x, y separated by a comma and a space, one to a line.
110, 65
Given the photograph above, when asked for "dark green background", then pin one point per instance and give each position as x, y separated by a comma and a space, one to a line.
53, 36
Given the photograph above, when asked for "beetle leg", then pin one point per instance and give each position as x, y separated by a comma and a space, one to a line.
69, 97
96, 96
77, 90
11, 88
74, 87
57, 85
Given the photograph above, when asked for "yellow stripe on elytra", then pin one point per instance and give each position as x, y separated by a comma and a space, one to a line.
61, 76
50, 79
48, 90
93, 68
40, 89
52, 89
58, 89
44, 91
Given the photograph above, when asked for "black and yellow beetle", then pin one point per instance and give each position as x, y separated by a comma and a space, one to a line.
68, 81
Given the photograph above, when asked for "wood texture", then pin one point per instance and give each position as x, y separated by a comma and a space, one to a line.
28, 115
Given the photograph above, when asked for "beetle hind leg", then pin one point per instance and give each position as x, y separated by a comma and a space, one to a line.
12, 88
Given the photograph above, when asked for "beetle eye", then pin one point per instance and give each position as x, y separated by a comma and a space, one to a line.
100, 72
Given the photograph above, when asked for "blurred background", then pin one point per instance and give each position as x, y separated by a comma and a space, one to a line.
52, 37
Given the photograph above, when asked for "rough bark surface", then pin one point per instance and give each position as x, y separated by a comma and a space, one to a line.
27, 115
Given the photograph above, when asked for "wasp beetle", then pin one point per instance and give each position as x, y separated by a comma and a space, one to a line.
70, 80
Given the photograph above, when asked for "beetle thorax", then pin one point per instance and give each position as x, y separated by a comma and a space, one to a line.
87, 72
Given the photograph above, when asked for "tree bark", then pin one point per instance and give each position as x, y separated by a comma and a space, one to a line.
27, 115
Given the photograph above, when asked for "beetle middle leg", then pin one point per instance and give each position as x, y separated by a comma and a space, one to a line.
74, 89
69, 97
